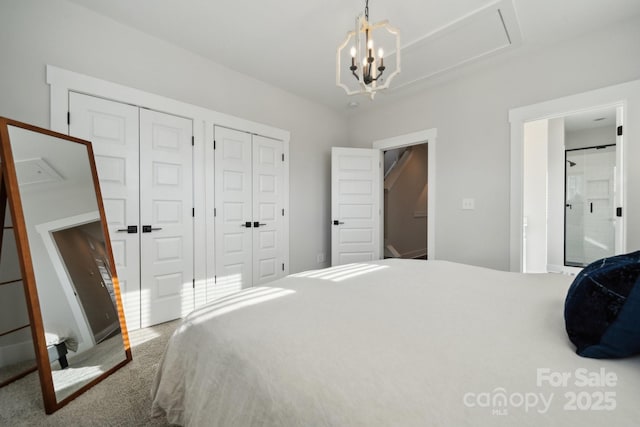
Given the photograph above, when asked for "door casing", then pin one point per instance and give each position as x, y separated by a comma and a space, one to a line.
612, 96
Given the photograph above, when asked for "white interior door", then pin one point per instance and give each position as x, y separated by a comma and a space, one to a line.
356, 187
233, 210
268, 202
166, 220
112, 127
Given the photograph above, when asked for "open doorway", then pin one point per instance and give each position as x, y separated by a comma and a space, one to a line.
428, 140
83, 251
406, 202
572, 190
625, 98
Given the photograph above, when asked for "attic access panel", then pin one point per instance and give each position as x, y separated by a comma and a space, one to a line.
36, 171
479, 34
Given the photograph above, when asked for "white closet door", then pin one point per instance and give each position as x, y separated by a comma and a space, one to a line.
112, 128
356, 185
268, 202
233, 220
166, 221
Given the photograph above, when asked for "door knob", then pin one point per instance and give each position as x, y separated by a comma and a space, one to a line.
149, 229
258, 224
246, 224
131, 229
336, 222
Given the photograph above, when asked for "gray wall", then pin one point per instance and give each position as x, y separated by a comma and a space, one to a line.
555, 194
603, 135
534, 200
470, 111
35, 33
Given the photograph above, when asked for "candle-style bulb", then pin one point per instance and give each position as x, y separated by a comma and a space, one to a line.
353, 51
370, 44
380, 53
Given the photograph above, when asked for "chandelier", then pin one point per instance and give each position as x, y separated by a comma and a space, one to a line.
366, 72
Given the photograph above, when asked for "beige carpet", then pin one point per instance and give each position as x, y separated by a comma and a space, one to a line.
86, 366
123, 399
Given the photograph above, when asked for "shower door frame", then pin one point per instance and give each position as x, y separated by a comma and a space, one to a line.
614, 199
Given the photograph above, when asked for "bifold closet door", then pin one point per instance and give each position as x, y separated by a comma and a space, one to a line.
268, 214
234, 216
166, 220
249, 201
112, 128
144, 160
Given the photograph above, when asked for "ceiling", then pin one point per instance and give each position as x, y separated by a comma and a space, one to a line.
591, 119
292, 44
44, 162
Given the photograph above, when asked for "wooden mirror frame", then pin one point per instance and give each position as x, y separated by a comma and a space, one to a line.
10, 191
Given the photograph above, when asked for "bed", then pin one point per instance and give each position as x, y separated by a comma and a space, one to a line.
59, 340
391, 343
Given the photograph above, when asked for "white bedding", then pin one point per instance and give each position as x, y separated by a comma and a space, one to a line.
55, 334
391, 343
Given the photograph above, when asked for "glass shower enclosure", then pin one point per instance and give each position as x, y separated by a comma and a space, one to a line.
589, 204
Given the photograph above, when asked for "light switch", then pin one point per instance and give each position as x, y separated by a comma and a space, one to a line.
468, 204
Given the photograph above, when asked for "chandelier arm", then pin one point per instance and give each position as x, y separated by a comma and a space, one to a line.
373, 67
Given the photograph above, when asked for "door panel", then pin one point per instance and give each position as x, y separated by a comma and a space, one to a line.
166, 243
112, 128
356, 184
268, 198
599, 227
589, 206
233, 200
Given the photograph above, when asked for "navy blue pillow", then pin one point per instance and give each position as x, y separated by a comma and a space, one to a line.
602, 309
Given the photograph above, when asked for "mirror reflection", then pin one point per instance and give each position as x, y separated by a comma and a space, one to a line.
70, 259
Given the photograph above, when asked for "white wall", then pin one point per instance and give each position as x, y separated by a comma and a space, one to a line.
555, 193
470, 112
603, 135
35, 33
535, 195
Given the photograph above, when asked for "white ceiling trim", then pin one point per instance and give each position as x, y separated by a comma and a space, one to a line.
493, 29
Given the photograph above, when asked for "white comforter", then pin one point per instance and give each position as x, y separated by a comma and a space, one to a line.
391, 343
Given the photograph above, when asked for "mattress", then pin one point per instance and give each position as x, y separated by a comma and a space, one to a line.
391, 343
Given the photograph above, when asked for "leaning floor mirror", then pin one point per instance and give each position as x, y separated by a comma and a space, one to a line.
66, 291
